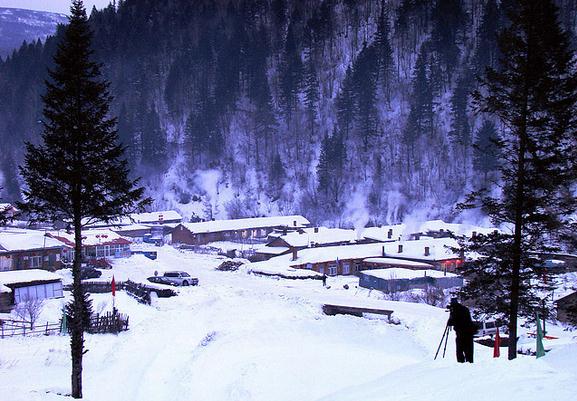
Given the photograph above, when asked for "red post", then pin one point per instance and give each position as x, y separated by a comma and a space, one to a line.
496, 349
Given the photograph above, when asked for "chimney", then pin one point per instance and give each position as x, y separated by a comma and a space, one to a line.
390, 233
383, 251
400, 248
295, 252
427, 251
316, 230
473, 234
294, 223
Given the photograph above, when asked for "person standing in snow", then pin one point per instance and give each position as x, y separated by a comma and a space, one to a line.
460, 320
324, 280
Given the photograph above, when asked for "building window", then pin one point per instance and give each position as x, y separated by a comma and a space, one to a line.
35, 261
332, 270
309, 266
346, 268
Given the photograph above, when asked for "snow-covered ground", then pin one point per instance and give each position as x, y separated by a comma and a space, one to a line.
238, 337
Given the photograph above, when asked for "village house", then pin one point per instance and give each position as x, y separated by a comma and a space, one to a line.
251, 229
438, 252
567, 308
8, 210
400, 279
334, 260
281, 243
29, 249
22, 285
96, 244
148, 218
434, 254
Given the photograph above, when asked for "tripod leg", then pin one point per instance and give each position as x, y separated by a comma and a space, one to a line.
441, 343
446, 339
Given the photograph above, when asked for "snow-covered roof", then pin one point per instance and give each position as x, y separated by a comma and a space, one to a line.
140, 218
272, 250
400, 273
399, 262
243, 224
25, 240
7, 207
308, 236
25, 276
331, 253
403, 231
130, 227
439, 249
91, 237
382, 233
455, 228
3, 288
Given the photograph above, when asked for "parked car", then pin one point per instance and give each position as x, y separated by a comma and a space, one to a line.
488, 328
87, 272
101, 263
180, 278
161, 280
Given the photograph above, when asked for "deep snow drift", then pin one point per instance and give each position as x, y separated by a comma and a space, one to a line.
238, 337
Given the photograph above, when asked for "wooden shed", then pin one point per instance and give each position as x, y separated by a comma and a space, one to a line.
20, 285
567, 309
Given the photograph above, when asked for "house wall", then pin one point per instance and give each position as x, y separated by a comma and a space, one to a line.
5, 302
38, 291
563, 309
47, 259
333, 268
181, 235
100, 251
394, 285
5, 262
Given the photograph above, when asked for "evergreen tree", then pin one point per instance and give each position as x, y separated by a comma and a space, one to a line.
460, 129
486, 151
365, 90
311, 91
487, 52
78, 173
345, 104
448, 18
291, 74
330, 168
420, 119
384, 51
126, 135
153, 139
534, 94
85, 316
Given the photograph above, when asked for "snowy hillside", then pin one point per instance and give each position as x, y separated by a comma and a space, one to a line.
237, 337
17, 26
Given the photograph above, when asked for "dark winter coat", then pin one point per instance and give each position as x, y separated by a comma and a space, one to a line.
460, 319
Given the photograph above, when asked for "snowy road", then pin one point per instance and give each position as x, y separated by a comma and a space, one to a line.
238, 337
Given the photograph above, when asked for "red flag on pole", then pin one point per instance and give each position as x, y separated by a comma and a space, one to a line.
496, 350
113, 286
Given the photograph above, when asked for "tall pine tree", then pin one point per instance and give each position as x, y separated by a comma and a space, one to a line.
534, 94
78, 174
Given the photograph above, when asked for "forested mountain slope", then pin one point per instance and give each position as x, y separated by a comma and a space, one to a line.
17, 26
342, 110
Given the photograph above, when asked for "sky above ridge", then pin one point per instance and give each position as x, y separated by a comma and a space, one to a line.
57, 6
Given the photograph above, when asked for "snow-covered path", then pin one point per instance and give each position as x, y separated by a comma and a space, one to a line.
237, 337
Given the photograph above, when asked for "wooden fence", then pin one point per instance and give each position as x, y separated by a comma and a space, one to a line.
11, 328
140, 292
108, 323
